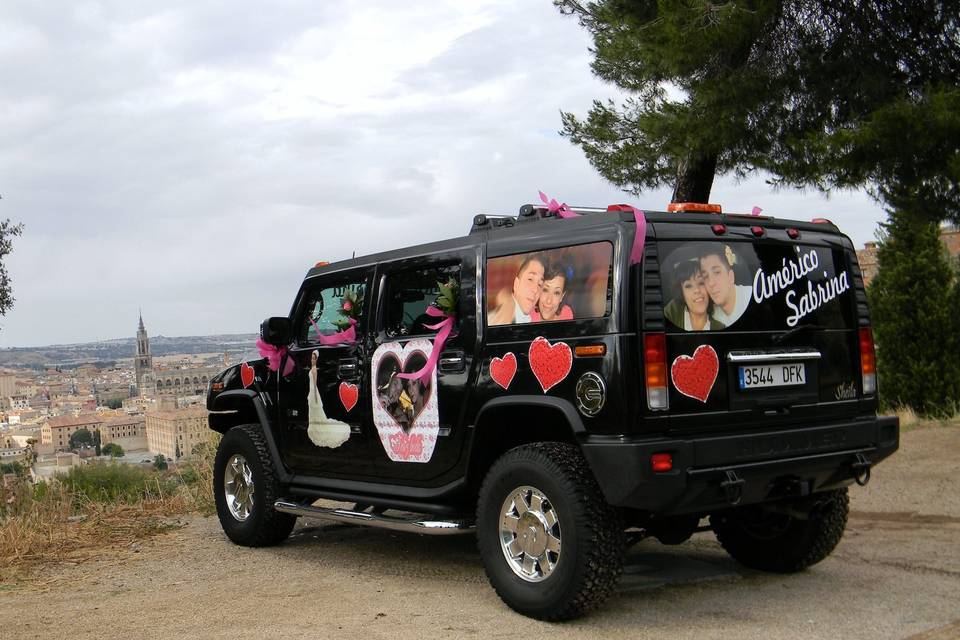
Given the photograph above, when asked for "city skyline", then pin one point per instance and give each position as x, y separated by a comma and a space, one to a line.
197, 160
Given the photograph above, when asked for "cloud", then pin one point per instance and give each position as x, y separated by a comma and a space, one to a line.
195, 159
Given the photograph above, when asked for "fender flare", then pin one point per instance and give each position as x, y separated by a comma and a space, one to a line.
251, 396
564, 406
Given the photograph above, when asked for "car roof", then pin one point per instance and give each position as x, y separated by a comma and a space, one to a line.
537, 225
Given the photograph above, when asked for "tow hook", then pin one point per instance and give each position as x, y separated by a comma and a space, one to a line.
861, 470
733, 487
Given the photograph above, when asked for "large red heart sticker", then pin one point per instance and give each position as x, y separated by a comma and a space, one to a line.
550, 363
694, 376
503, 369
247, 374
349, 394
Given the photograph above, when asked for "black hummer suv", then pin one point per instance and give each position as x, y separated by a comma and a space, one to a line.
539, 383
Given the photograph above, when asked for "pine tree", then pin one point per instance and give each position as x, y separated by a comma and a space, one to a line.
914, 303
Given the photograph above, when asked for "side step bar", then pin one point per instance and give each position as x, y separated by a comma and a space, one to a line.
414, 525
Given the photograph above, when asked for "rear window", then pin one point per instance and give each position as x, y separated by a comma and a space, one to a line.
715, 285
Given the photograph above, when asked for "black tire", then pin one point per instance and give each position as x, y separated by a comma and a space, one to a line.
590, 560
774, 540
263, 526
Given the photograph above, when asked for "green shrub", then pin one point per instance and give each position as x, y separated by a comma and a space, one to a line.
116, 483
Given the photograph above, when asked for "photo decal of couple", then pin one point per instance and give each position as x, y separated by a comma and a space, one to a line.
706, 293
549, 286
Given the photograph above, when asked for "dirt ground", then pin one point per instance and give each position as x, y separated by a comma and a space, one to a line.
896, 574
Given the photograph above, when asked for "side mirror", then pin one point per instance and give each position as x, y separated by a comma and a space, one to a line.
277, 331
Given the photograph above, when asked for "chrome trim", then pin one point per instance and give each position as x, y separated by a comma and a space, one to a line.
772, 356
591, 394
451, 360
348, 516
530, 536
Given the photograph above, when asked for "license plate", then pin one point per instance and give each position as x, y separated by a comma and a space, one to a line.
772, 375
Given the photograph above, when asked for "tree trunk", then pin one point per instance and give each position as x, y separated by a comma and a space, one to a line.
695, 178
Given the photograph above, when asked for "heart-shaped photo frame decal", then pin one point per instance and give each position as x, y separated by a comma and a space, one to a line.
405, 411
502, 370
349, 394
694, 376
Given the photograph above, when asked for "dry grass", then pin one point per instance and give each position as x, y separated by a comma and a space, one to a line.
910, 420
97, 510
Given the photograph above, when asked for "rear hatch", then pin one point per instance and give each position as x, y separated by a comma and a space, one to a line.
761, 322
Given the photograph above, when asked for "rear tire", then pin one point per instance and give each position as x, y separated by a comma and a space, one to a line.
551, 545
773, 540
245, 487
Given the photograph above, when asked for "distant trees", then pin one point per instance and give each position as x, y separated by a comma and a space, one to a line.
81, 439
113, 450
8, 231
14, 467
159, 462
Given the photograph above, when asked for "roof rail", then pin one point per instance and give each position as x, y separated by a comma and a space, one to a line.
528, 213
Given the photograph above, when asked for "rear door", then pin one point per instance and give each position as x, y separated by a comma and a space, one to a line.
761, 331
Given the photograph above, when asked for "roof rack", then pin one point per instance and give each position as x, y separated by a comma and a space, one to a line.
528, 213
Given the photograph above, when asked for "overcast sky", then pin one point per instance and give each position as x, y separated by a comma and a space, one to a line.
195, 160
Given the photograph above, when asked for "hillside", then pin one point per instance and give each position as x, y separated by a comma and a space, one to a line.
124, 349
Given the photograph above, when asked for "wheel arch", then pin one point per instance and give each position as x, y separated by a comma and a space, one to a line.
505, 423
243, 406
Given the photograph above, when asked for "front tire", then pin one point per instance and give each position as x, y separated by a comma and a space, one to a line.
245, 487
785, 540
551, 545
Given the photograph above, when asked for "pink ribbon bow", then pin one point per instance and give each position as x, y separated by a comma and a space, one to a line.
756, 211
443, 329
347, 336
274, 355
636, 252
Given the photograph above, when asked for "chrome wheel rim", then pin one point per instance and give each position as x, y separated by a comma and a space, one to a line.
238, 487
530, 534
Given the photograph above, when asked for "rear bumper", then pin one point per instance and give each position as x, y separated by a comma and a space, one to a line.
707, 472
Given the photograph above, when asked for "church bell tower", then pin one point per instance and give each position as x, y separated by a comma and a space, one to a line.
143, 363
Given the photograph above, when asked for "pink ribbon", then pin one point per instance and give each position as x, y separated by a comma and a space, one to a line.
639, 239
443, 332
274, 355
348, 335
756, 211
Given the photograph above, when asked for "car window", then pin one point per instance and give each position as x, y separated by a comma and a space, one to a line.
333, 313
409, 294
562, 284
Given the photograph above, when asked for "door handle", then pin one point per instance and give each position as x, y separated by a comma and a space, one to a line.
347, 368
453, 362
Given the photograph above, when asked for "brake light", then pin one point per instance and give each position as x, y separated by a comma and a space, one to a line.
655, 370
693, 207
793, 233
756, 231
661, 462
868, 361
619, 207
719, 229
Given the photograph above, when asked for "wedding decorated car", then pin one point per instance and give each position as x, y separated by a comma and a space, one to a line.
561, 383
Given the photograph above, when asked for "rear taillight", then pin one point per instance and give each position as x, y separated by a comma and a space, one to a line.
655, 370
868, 362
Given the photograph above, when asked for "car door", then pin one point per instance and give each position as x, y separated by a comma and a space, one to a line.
324, 424
419, 423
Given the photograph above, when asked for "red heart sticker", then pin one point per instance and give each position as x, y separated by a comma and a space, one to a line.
550, 362
694, 376
247, 374
503, 369
349, 394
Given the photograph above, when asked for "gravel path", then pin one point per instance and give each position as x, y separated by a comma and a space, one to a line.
896, 574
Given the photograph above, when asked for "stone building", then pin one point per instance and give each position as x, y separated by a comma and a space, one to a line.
129, 432
867, 257
57, 431
174, 433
